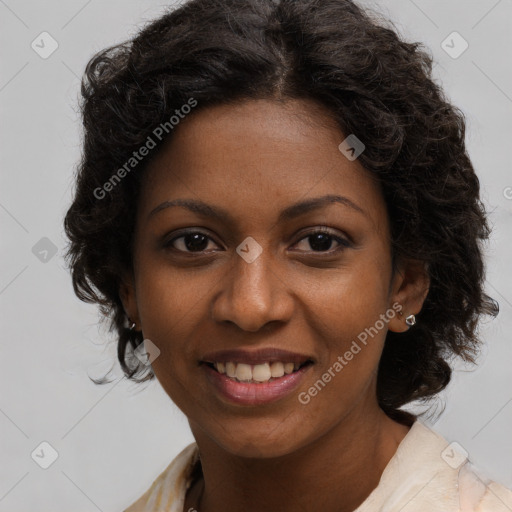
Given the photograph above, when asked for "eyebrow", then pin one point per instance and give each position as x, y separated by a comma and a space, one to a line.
295, 210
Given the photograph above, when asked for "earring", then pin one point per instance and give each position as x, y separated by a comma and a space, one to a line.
410, 320
133, 324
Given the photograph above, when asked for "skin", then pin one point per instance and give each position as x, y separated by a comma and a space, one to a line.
254, 159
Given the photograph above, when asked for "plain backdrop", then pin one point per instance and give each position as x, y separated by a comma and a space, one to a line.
112, 441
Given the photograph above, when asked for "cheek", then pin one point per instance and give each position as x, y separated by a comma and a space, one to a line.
345, 317
167, 295
345, 301
170, 305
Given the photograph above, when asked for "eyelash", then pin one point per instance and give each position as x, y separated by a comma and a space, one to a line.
343, 243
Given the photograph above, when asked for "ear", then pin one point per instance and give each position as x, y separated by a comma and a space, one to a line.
129, 298
409, 288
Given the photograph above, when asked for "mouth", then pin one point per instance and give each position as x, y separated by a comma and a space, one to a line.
256, 373
255, 377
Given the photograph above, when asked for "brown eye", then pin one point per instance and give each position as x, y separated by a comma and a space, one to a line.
322, 241
193, 241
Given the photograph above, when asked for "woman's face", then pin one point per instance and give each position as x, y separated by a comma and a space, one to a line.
253, 277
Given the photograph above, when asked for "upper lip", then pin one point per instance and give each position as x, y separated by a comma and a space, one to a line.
256, 356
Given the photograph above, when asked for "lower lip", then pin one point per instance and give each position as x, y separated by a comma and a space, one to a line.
248, 393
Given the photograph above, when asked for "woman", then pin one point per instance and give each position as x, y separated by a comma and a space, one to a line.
276, 209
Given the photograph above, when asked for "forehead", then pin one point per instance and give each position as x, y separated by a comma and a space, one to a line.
260, 155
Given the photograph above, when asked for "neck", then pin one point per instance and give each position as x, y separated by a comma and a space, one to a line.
348, 461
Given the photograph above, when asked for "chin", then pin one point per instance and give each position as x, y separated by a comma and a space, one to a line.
257, 448
258, 438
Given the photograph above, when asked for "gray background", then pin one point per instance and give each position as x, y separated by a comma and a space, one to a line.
113, 440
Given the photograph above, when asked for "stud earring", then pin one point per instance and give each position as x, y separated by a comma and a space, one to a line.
410, 320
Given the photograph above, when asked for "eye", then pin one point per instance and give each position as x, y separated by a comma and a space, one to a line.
190, 241
321, 240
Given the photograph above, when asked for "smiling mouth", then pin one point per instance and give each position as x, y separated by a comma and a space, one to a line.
256, 373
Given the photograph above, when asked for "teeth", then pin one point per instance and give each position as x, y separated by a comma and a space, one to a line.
230, 369
243, 372
261, 372
256, 373
277, 369
288, 368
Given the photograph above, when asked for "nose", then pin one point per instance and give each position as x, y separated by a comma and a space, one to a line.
253, 295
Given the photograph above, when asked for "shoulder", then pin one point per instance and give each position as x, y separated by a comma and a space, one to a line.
480, 495
168, 490
429, 473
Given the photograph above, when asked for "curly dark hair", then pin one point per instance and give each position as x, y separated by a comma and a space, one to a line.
373, 83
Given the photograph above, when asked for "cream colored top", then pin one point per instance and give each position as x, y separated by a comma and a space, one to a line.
426, 474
